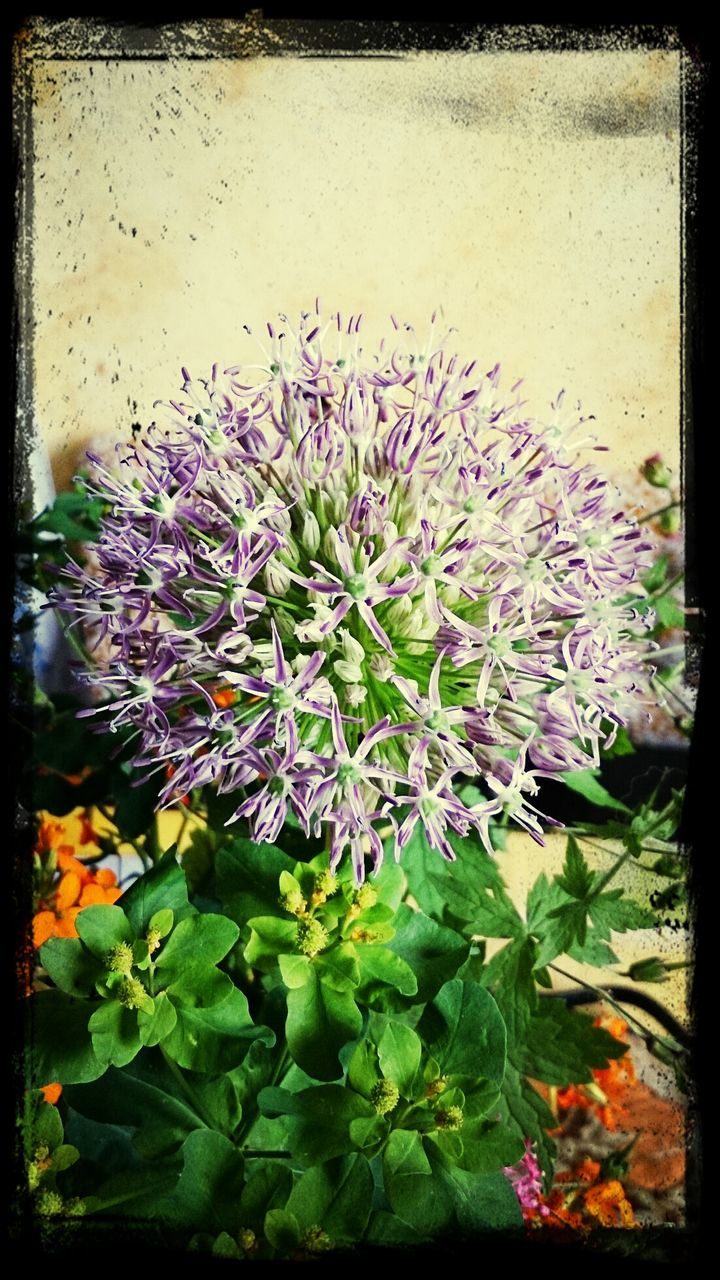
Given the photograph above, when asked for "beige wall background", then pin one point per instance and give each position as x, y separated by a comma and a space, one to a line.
534, 196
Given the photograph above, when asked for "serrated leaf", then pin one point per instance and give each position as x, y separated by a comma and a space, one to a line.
563, 1046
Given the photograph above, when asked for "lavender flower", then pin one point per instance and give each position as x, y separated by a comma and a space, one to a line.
331, 584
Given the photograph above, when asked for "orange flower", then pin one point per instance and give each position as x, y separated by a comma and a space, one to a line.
607, 1202
52, 1092
224, 697
79, 886
613, 1081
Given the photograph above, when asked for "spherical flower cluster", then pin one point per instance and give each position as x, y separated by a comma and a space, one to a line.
336, 585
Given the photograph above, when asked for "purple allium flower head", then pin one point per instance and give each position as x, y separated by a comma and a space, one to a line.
330, 584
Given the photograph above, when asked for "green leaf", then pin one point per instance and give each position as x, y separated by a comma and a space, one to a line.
196, 943
268, 1187
465, 1030
295, 970
320, 1119
135, 804
163, 886
399, 1051
524, 1114
143, 1192
613, 912
70, 966
364, 1068
214, 1039
593, 951
481, 1201
389, 1230
335, 1196
207, 1196
379, 965
449, 889
162, 922
269, 938
319, 1022
42, 1126
115, 1034
200, 988
433, 952
489, 1145
584, 782
281, 1230
62, 1047
154, 1027
338, 968
563, 1046
101, 927
414, 1194
509, 976
577, 879
368, 1131
143, 1098
247, 876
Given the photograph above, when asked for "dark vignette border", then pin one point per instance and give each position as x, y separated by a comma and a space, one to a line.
269, 32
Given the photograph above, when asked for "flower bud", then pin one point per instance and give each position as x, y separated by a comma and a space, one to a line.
285, 623
449, 1119
120, 958
247, 1240
670, 521
262, 652
436, 1087
325, 886
315, 1240
312, 937
657, 472
352, 650
276, 577
347, 671
293, 902
310, 533
355, 694
49, 1204
384, 1096
132, 993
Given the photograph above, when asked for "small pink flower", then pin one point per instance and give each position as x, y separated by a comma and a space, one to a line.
526, 1180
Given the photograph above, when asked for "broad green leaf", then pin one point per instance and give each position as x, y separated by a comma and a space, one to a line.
146, 1102
72, 968
154, 1027
164, 885
42, 1126
162, 922
268, 1186
335, 1196
379, 964
446, 889
366, 1131
102, 927
115, 1034
143, 1192
61, 1046
399, 1050
389, 1230
338, 968
319, 1022
489, 1145
281, 1230
247, 876
481, 1202
433, 952
207, 1196
269, 938
524, 1114
585, 782
320, 1119
363, 1068
465, 1030
414, 1195
198, 942
214, 1039
199, 988
295, 970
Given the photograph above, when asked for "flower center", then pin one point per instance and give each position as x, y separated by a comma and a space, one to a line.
349, 772
356, 586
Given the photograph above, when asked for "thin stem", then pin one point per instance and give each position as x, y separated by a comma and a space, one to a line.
190, 1094
604, 995
660, 511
